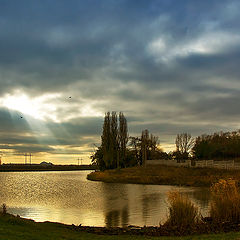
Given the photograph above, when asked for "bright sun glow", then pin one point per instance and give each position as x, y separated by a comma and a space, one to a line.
38, 107
46, 106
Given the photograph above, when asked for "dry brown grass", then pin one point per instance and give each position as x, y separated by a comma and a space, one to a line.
165, 175
225, 206
183, 214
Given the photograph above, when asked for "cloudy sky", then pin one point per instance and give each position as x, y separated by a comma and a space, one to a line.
170, 66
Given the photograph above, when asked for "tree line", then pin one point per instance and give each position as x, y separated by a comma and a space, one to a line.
223, 145
119, 150
216, 146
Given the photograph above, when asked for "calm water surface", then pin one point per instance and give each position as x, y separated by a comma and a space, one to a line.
68, 197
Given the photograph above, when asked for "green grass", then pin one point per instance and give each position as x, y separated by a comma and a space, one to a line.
200, 177
14, 228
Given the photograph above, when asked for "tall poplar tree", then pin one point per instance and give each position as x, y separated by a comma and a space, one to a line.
114, 144
122, 138
114, 140
106, 140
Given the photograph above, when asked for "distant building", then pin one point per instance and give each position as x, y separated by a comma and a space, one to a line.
46, 163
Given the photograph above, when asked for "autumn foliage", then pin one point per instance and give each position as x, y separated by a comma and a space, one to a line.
183, 214
225, 205
223, 145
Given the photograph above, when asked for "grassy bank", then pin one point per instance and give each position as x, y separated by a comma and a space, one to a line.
15, 228
165, 175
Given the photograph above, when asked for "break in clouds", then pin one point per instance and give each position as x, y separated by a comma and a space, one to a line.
170, 66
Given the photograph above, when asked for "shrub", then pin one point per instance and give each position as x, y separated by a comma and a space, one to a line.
225, 204
183, 215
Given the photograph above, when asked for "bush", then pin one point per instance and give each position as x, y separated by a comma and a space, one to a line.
225, 205
183, 215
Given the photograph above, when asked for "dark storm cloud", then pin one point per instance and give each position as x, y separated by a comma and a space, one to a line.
27, 148
11, 121
51, 38
61, 41
170, 66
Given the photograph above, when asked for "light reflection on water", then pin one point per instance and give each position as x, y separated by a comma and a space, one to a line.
68, 197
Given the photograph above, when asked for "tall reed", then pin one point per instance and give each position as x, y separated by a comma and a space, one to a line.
225, 205
183, 214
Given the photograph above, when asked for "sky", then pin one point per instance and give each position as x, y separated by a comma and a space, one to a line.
170, 66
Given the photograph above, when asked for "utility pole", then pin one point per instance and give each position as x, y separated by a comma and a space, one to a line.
79, 159
30, 155
25, 154
1, 158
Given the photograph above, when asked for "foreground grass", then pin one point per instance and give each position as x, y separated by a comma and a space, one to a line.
158, 174
15, 228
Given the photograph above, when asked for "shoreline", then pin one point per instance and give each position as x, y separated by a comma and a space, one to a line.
13, 227
40, 168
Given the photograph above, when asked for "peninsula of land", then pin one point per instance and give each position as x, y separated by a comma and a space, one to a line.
164, 175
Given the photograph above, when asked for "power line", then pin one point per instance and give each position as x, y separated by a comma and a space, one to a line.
26, 155
80, 160
1, 154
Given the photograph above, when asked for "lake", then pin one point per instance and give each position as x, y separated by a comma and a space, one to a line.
68, 197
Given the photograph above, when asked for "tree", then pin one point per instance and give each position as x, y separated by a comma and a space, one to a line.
184, 143
97, 158
145, 147
113, 152
114, 141
149, 146
106, 141
135, 144
122, 138
222, 145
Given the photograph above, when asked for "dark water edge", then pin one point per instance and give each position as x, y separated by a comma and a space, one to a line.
20, 226
39, 167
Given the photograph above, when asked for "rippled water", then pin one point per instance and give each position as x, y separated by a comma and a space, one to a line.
68, 197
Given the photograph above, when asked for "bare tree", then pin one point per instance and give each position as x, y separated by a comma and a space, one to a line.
184, 143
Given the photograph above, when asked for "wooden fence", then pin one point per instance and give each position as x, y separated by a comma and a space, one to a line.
231, 164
